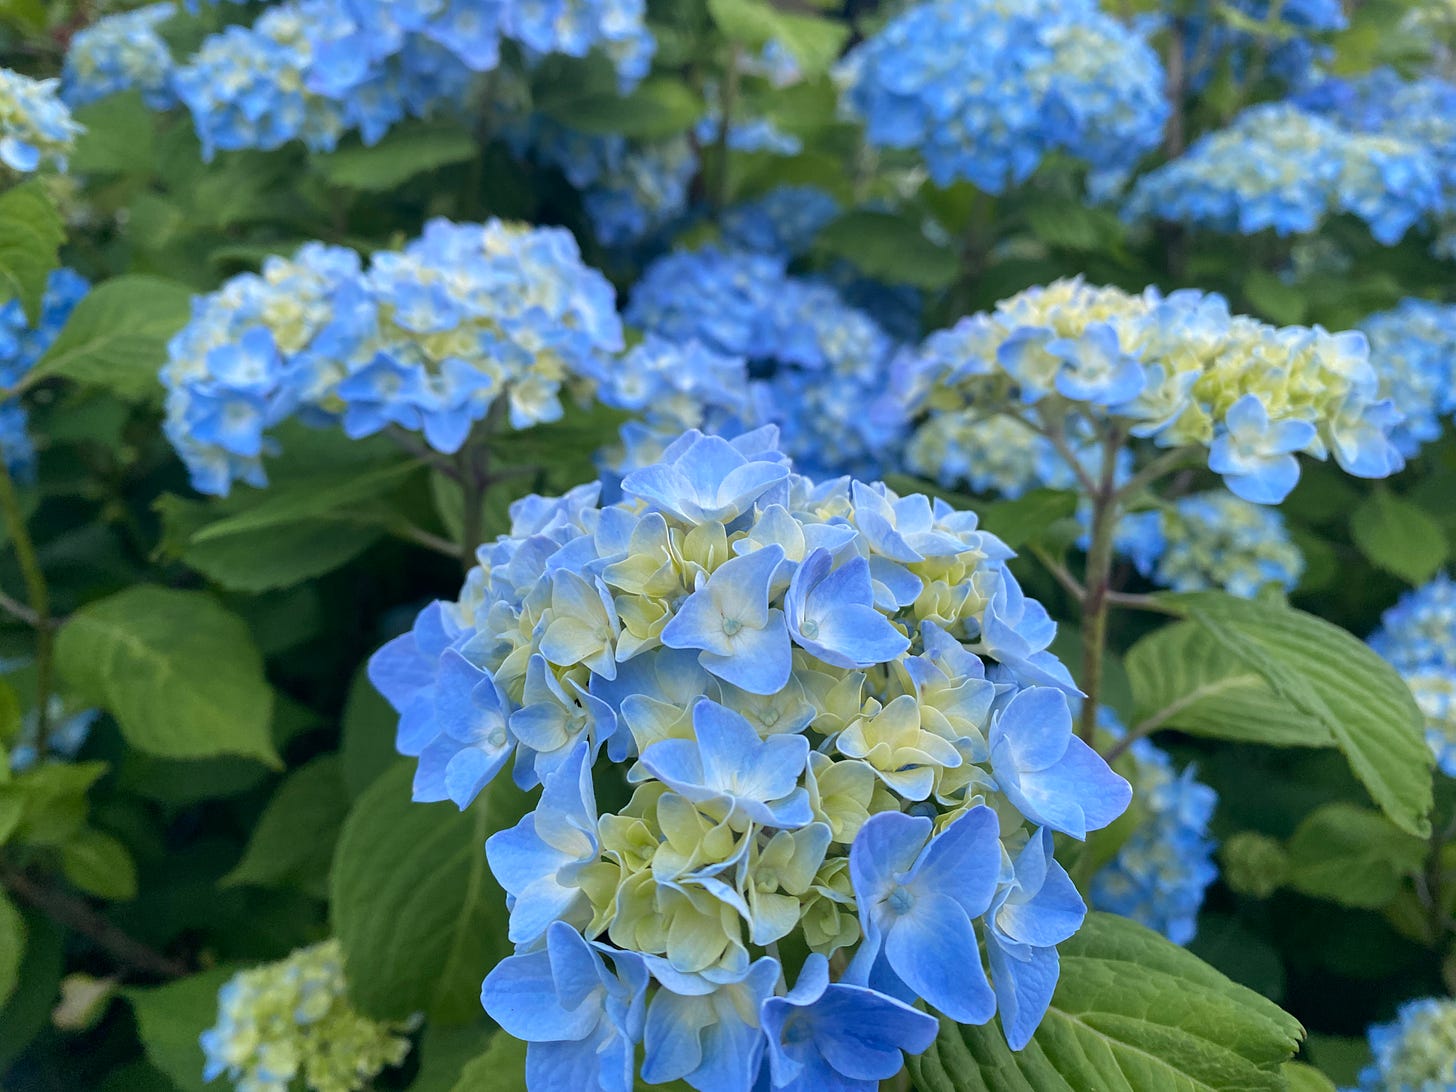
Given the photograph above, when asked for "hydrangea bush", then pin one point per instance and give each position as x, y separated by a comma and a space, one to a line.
752, 546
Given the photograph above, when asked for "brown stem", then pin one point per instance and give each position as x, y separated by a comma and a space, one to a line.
40, 602
1096, 582
75, 914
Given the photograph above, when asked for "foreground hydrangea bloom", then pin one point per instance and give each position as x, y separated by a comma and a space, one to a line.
1418, 636
428, 339
1071, 360
1413, 347
840, 725
820, 367
1415, 1053
985, 89
36, 128
119, 53
21, 345
1161, 872
1212, 540
290, 1025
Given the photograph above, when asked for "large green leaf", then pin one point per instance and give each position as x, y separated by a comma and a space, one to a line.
367, 747
1306, 1078
307, 497
170, 1018
12, 947
815, 42
311, 801
419, 915
1351, 855
1329, 675
659, 107
117, 337
31, 233
1133, 1012
402, 155
1184, 678
120, 137
500, 1068
889, 247
180, 674
1399, 537
100, 865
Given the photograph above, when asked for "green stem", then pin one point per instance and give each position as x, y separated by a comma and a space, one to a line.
727, 102
39, 597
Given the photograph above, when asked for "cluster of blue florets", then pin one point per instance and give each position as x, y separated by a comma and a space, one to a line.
1279, 167
428, 339
784, 220
820, 368
842, 727
312, 70
121, 52
36, 127
1178, 370
630, 190
984, 90
1160, 873
1418, 636
1212, 540
1285, 36
1414, 349
21, 345
1414, 1053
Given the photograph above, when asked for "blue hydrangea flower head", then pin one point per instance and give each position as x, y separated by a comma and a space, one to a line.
1212, 540
830, 705
21, 345
1413, 347
290, 1024
1416, 1052
820, 368
783, 221
36, 128
121, 52
1281, 167
1178, 370
1418, 637
1160, 873
428, 339
1044, 77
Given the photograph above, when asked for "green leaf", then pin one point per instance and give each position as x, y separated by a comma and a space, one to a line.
117, 337
814, 41
311, 801
1029, 517
1331, 676
1306, 1078
889, 248
120, 137
261, 560
502, 1068
1073, 226
39, 981
31, 233
53, 796
12, 947
402, 155
100, 865
367, 747
659, 108
1399, 537
1277, 301
1352, 856
306, 498
180, 674
1184, 679
25, 15
444, 1053
419, 915
1133, 1012
169, 1020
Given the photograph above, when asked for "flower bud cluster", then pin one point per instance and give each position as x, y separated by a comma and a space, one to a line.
121, 52
1413, 347
291, 1021
21, 345
1416, 1052
36, 128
